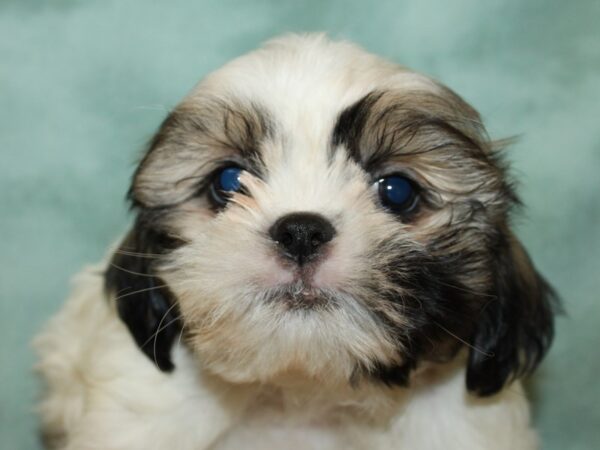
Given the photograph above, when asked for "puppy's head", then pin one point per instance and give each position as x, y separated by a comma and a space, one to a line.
311, 208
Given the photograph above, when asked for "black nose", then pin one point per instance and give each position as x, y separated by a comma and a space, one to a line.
301, 235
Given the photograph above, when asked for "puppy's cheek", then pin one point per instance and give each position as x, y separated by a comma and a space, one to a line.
350, 259
224, 254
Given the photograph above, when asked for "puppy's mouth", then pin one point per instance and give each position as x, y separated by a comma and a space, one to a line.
299, 288
305, 297
302, 295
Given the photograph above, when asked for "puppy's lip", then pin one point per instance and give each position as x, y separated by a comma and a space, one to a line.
306, 297
301, 289
308, 294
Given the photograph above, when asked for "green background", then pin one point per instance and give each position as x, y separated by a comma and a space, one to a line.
83, 84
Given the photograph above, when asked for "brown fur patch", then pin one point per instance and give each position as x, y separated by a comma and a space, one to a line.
191, 142
436, 139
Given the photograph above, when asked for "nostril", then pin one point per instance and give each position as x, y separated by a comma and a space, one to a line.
286, 239
301, 235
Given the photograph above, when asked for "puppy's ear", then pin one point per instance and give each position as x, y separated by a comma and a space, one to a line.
144, 303
516, 326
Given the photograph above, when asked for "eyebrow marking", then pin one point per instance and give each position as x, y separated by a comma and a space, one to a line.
245, 129
385, 125
351, 123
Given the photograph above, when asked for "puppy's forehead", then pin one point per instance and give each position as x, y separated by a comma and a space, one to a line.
304, 82
289, 105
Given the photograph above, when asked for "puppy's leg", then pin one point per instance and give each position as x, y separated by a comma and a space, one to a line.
103, 393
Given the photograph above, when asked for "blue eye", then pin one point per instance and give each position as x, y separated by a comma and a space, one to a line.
225, 183
397, 193
229, 179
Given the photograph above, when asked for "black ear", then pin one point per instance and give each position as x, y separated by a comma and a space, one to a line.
144, 302
516, 326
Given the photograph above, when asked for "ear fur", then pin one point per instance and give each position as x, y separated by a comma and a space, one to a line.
516, 328
144, 303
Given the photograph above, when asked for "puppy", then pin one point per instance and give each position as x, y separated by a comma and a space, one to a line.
321, 259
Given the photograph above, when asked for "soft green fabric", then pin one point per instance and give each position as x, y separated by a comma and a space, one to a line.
83, 84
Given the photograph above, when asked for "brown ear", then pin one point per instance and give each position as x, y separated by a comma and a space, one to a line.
516, 328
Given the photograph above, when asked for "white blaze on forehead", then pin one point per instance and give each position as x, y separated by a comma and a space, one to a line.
309, 63
305, 81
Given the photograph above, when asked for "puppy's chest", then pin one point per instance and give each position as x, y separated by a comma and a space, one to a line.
273, 424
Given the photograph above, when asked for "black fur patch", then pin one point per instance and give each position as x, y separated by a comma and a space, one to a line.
439, 309
516, 329
507, 328
144, 302
351, 123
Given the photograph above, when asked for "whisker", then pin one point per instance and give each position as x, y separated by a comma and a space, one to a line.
140, 290
138, 254
131, 271
163, 327
468, 291
471, 346
160, 329
180, 333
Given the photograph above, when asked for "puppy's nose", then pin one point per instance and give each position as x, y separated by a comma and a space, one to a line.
300, 236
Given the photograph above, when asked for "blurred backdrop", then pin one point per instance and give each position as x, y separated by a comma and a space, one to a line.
83, 84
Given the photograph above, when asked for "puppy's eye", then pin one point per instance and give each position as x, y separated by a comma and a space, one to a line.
397, 193
226, 181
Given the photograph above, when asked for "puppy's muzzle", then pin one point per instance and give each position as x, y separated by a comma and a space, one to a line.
301, 236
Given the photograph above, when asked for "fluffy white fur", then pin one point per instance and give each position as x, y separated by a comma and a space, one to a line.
252, 376
110, 397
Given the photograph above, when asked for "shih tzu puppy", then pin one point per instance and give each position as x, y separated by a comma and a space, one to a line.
321, 258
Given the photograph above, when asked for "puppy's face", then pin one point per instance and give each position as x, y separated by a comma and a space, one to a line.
312, 209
